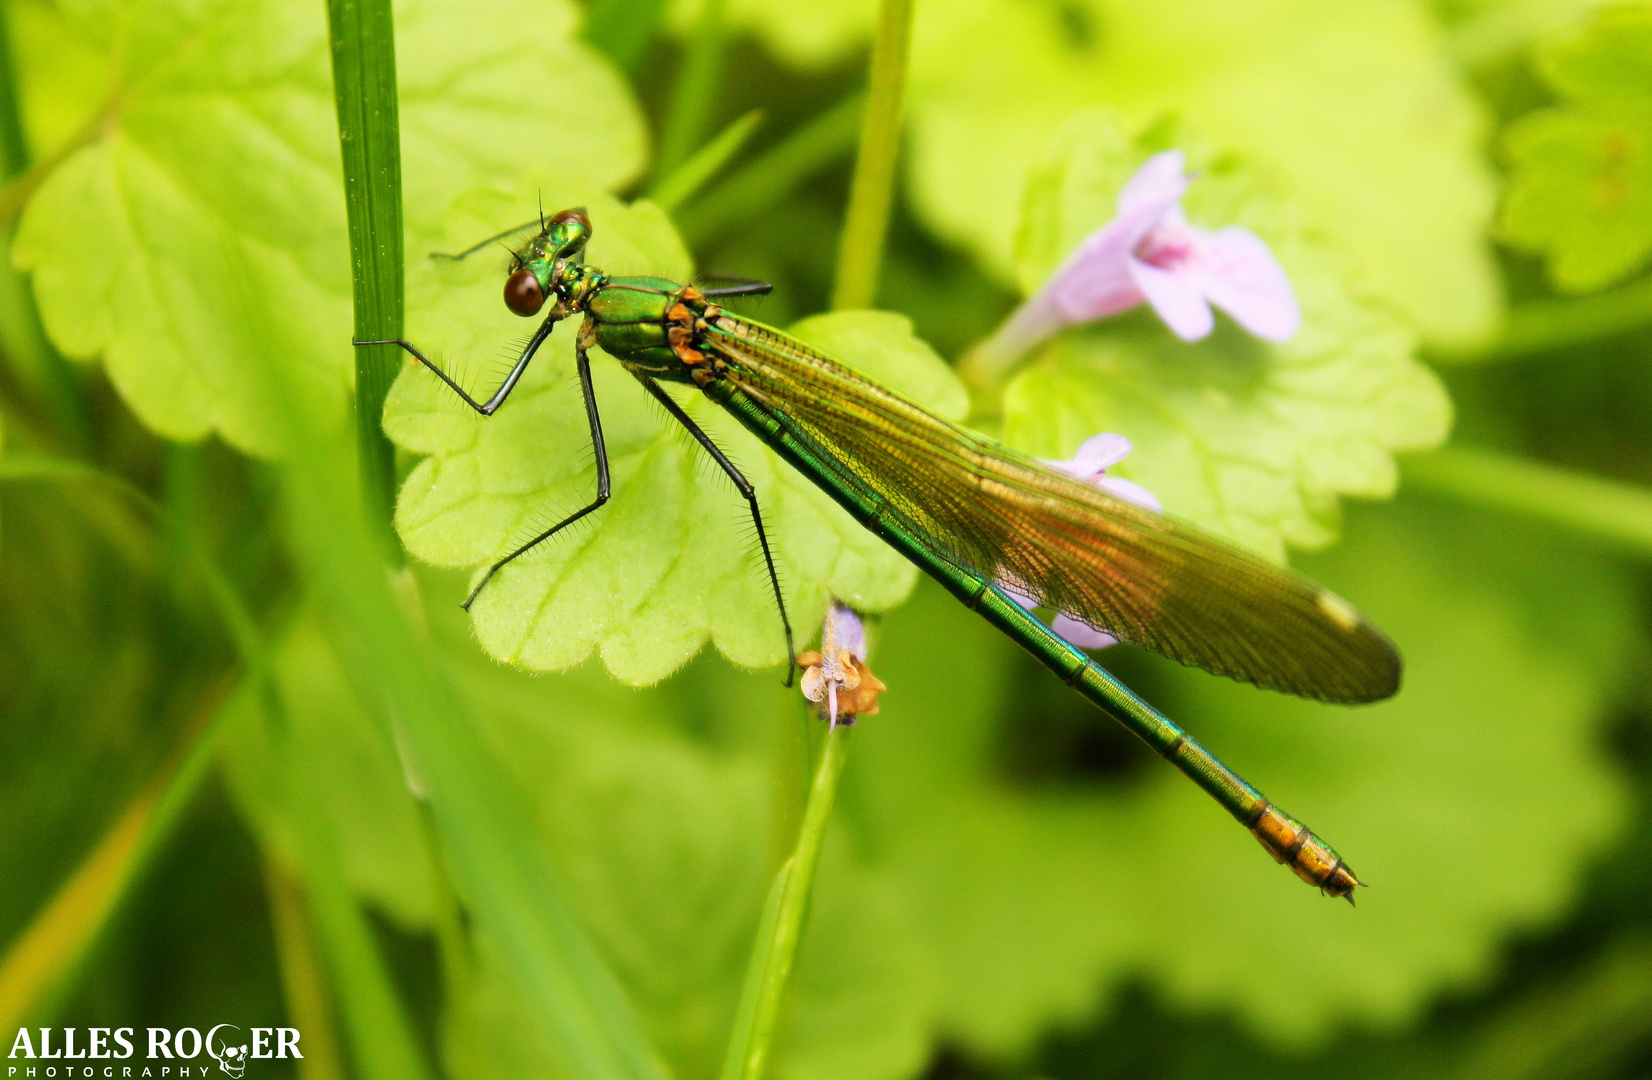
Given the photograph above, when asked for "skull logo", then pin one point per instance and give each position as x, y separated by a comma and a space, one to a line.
231, 1059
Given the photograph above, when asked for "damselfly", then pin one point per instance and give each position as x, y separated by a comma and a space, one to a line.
973, 514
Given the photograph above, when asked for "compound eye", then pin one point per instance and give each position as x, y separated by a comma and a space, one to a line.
523, 294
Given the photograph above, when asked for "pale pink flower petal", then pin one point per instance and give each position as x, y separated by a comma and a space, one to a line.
1162, 179
1081, 634
1177, 298
1095, 281
1130, 491
1239, 274
1150, 253
1095, 455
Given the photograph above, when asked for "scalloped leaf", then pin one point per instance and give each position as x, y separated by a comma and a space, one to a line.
671, 560
1581, 188
1250, 439
200, 238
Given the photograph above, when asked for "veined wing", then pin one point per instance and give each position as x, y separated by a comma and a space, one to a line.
1146, 578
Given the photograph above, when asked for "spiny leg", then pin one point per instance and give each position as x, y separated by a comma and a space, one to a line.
491, 405
583, 363
748, 491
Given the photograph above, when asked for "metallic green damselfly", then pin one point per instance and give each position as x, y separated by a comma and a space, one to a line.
969, 512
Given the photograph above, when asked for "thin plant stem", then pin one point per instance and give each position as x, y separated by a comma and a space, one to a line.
781, 929
696, 90
1616, 514
872, 191
364, 88
14, 149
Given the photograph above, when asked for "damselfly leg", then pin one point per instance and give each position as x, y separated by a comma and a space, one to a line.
746, 490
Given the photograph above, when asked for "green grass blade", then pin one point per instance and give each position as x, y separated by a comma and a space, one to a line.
499, 870
381, 1037
1609, 511
781, 928
760, 184
695, 93
693, 174
873, 189
39, 968
501, 873
303, 985
364, 88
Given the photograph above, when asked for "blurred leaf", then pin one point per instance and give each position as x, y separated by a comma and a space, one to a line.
201, 236
1581, 192
1250, 439
1359, 105
63, 75
1607, 60
1403, 189
807, 35
670, 561
1470, 802
664, 840
326, 744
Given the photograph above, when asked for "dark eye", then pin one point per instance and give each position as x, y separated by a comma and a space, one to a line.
523, 294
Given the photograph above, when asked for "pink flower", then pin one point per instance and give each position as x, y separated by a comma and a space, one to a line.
1094, 458
1150, 252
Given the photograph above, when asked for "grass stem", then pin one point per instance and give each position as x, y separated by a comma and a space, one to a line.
871, 193
781, 930
364, 89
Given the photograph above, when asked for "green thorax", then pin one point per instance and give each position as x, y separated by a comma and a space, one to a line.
653, 326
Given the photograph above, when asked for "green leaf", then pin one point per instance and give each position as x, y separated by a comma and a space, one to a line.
200, 238
670, 561
1470, 802
1581, 189
1250, 439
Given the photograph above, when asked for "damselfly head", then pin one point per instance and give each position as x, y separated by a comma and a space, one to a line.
541, 264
